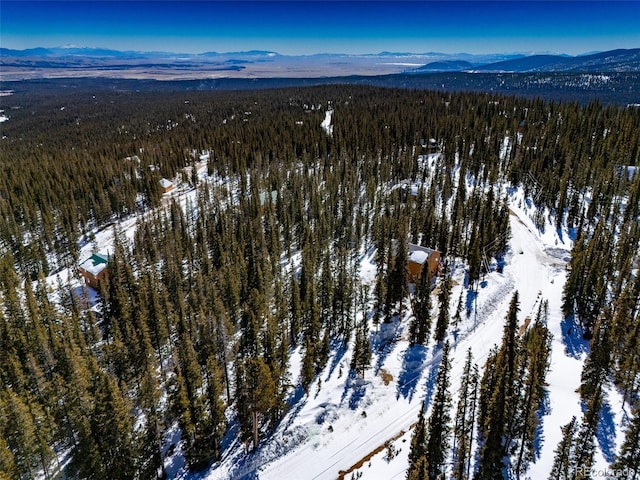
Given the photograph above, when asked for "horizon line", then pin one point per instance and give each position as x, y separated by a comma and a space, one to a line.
273, 52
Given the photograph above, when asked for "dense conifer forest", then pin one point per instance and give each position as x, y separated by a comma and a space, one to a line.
209, 297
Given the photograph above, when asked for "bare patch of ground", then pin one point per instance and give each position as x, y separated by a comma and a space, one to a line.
524, 326
387, 378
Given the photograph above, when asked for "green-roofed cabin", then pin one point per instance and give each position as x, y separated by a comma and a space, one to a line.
94, 269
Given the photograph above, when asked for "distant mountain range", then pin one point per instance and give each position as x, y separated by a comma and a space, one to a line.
610, 61
73, 51
72, 61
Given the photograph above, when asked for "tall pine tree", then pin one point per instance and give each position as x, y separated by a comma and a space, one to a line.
439, 428
499, 399
465, 420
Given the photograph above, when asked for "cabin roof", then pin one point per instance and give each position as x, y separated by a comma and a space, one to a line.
95, 264
164, 183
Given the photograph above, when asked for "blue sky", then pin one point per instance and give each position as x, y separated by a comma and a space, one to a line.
308, 27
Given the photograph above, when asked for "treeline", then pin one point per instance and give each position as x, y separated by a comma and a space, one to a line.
210, 297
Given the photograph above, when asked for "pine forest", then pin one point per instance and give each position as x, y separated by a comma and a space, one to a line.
235, 298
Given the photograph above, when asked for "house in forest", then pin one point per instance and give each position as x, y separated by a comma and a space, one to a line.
522, 126
166, 185
408, 190
94, 269
418, 258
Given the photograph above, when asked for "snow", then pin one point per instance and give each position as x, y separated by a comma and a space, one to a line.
536, 275
94, 264
418, 256
3, 117
326, 123
629, 169
345, 419
304, 445
367, 414
164, 183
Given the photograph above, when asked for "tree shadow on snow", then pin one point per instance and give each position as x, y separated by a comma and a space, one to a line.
357, 387
295, 401
384, 339
433, 374
230, 436
538, 439
572, 337
606, 432
245, 467
338, 350
413, 364
470, 301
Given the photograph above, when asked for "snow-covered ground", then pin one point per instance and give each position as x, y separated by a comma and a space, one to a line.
326, 123
363, 426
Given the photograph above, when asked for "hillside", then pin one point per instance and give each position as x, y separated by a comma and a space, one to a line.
258, 319
611, 61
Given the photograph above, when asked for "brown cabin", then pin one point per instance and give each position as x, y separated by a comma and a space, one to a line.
94, 270
419, 257
166, 185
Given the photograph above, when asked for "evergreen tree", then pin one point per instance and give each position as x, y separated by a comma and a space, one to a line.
561, 469
439, 428
465, 420
308, 369
584, 449
151, 462
190, 405
597, 366
324, 350
420, 471
457, 316
207, 271
417, 459
256, 394
295, 311
8, 467
379, 294
397, 287
628, 460
210, 420
499, 398
474, 259
361, 349
251, 324
112, 429
626, 339
20, 434
421, 322
442, 323
537, 352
